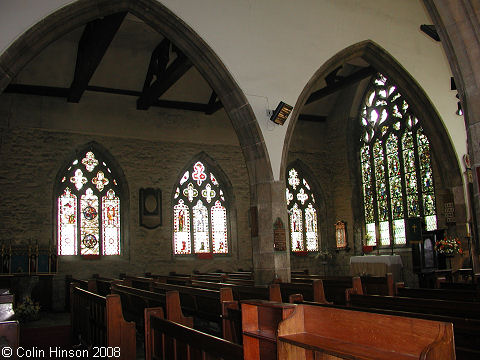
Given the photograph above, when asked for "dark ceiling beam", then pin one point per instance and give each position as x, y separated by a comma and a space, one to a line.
341, 84
93, 44
180, 105
37, 90
63, 93
170, 76
312, 118
158, 62
211, 103
431, 31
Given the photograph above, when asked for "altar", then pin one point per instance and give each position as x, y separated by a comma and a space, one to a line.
377, 265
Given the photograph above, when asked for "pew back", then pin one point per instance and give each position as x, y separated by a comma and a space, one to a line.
360, 335
166, 339
98, 321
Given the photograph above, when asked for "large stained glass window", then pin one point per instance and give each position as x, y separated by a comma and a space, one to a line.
199, 213
302, 212
88, 208
397, 176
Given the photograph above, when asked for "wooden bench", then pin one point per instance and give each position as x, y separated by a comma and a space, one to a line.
9, 336
165, 339
98, 321
466, 331
440, 294
464, 309
313, 291
330, 333
7, 301
260, 319
135, 301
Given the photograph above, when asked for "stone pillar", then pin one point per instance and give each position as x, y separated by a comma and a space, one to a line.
269, 264
458, 25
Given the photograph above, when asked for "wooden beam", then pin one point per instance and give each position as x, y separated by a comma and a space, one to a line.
180, 105
171, 75
431, 31
341, 84
63, 92
211, 103
93, 44
37, 90
158, 62
312, 118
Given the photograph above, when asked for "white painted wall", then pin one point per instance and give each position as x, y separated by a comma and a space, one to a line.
273, 47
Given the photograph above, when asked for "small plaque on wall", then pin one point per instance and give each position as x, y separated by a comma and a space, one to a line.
450, 212
279, 236
150, 208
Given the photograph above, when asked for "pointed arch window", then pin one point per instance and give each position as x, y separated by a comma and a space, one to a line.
395, 158
200, 213
88, 207
302, 212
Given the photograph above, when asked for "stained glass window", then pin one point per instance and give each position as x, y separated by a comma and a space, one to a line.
199, 213
395, 159
302, 212
88, 207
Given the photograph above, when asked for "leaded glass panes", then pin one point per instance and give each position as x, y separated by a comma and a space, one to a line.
371, 232
395, 158
200, 213
181, 228
111, 223
89, 225
302, 212
219, 228
88, 208
367, 184
311, 228
296, 228
67, 223
200, 228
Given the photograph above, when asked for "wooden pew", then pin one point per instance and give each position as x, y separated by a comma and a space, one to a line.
313, 291
165, 339
241, 292
330, 333
135, 301
441, 294
98, 321
7, 302
10, 337
460, 286
466, 331
465, 309
172, 278
205, 305
260, 321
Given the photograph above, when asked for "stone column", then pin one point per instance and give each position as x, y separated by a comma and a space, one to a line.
269, 264
458, 25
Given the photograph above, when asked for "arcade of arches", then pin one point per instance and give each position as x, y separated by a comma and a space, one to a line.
165, 103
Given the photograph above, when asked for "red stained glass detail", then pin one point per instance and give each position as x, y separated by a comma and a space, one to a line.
199, 173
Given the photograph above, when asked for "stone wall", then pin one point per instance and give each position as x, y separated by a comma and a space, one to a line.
31, 157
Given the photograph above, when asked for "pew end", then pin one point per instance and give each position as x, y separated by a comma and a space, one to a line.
295, 299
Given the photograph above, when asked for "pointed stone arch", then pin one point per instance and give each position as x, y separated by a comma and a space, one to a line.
69, 17
385, 63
